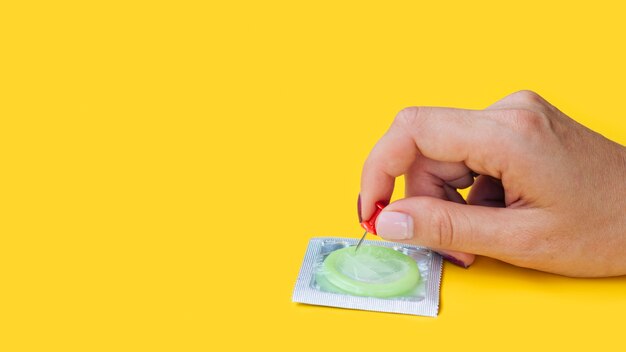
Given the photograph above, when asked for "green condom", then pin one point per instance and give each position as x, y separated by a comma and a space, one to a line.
373, 271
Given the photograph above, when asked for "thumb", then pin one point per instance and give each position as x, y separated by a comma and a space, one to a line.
450, 226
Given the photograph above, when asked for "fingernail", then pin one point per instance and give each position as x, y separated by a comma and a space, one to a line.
454, 261
392, 225
358, 208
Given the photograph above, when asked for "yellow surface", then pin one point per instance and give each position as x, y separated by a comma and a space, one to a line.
164, 165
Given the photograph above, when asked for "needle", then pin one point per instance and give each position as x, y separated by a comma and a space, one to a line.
361, 240
370, 225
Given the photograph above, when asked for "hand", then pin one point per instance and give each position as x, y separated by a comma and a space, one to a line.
550, 194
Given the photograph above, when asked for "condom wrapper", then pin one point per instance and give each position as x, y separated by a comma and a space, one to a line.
375, 278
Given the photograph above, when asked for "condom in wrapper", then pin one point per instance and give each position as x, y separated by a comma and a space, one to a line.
381, 276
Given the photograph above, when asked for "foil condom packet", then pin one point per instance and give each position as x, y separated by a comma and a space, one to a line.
381, 276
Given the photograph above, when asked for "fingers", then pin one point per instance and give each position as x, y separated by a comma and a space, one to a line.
449, 135
450, 226
427, 177
458, 258
431, 178
439, 150
488, 192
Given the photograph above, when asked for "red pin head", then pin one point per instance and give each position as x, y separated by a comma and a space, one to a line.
370, 225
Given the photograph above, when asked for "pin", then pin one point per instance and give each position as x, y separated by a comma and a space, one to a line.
370, 225
361, 240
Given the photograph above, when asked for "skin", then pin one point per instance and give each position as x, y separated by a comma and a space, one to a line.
547, 193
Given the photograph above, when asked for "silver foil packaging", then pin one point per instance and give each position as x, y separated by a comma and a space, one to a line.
423, 300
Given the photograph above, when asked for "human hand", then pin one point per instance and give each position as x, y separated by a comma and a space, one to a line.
550, 195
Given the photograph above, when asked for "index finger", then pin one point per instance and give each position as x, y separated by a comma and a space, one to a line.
442, 134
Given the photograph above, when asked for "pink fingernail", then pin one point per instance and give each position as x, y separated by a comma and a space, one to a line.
392, 225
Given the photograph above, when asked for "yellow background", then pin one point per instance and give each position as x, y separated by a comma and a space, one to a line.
164, 164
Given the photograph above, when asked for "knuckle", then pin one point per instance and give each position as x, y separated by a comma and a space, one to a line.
410, 117
528, 96
527, 122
